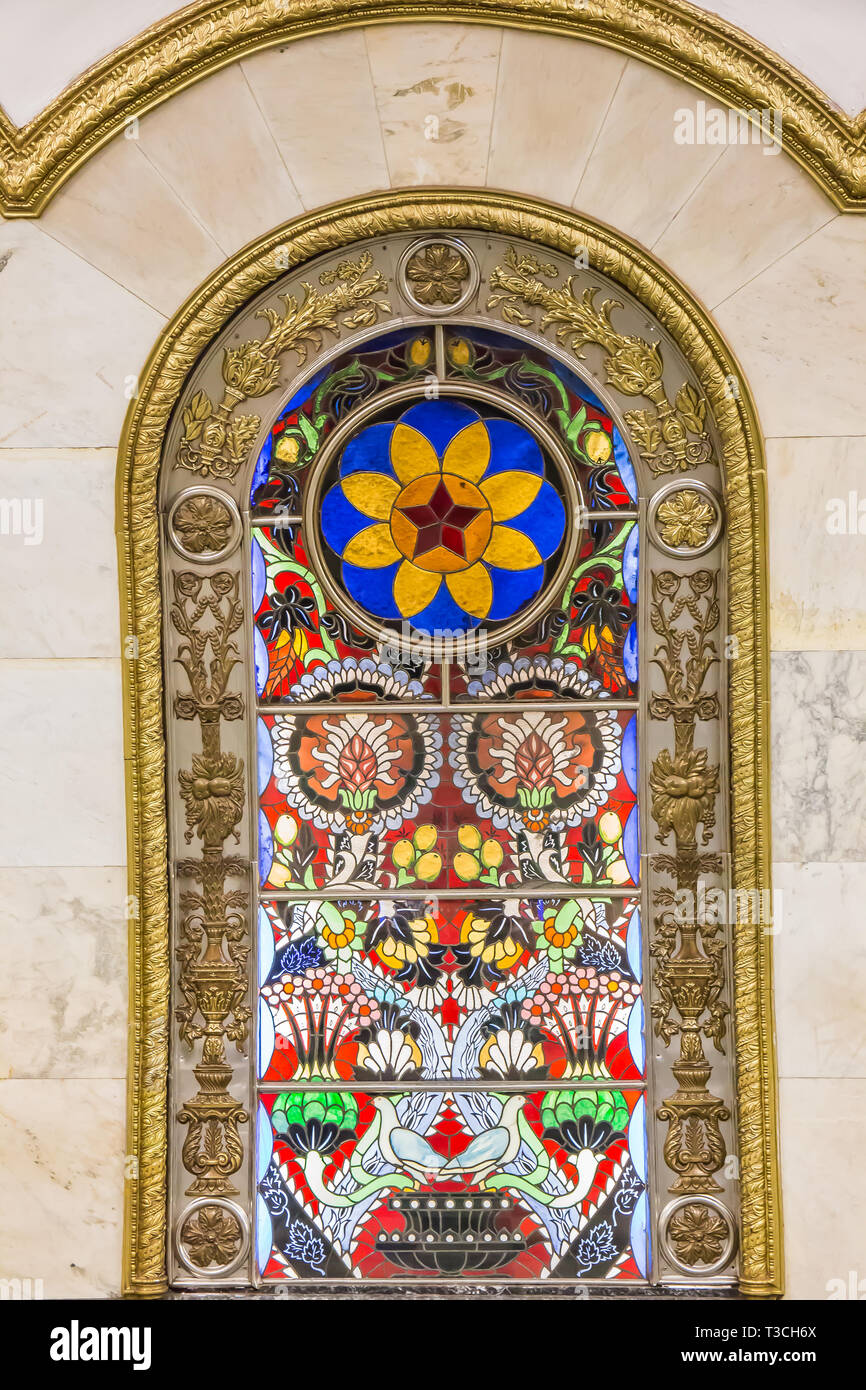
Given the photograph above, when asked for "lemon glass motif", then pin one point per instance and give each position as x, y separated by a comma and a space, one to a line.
442, 518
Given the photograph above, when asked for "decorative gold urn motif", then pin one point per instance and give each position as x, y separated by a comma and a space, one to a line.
216, 440
671, 435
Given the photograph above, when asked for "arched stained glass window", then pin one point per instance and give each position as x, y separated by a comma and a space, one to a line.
444, 566
451, 1038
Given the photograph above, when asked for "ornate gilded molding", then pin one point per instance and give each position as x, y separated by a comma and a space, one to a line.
162, 382
709, 53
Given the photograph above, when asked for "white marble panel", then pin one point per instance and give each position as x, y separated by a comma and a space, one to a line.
638, 176
551, 98
817, 493
818, 718
799, 331
819, 949
317, 97
62, 1147
823, 1136
118, 213
61, 752
58, 556
72, 342
63, 987
213, 147
753, 205
434, 87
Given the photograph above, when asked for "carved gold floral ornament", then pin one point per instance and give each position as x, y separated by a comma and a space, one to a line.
685, 519
699, 1234
437, 274
211, 1235
203, 524
213, 938
699, 48
689, 956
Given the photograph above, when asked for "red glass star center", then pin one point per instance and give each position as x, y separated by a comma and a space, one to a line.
441, 522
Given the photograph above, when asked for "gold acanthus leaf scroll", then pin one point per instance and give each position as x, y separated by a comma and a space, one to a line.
216, 440
670, 436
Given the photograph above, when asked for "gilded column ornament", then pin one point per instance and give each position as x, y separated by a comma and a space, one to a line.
671, 435
213, 945
689, 972
216, 440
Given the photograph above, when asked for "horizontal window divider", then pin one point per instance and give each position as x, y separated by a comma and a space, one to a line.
333, 707
472, 1282
485, 1087
264, 519
494, 894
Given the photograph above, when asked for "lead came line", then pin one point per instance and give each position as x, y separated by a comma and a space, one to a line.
331, 892
484, 1085
291, 709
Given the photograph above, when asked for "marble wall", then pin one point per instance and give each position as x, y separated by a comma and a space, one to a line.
86, 290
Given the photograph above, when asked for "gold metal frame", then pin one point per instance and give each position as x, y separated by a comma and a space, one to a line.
192, 329
705, 51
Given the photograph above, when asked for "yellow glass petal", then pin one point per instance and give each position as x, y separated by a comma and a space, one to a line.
468, 454
511, 550
472, 589
414, 588
411, 454
510, 493
372, 493
371, 548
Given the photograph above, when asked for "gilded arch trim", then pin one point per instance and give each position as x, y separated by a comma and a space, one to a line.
193, 328
714, 56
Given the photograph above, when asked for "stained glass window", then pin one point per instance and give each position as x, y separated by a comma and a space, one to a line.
451, 1055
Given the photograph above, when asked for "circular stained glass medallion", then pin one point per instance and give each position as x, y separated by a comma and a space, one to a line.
446, 516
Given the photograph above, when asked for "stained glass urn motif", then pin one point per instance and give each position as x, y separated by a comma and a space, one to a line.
453, 1233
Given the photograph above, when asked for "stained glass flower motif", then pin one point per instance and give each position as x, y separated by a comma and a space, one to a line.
443, 519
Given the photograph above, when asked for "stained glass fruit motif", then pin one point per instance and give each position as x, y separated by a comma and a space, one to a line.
451, 1055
